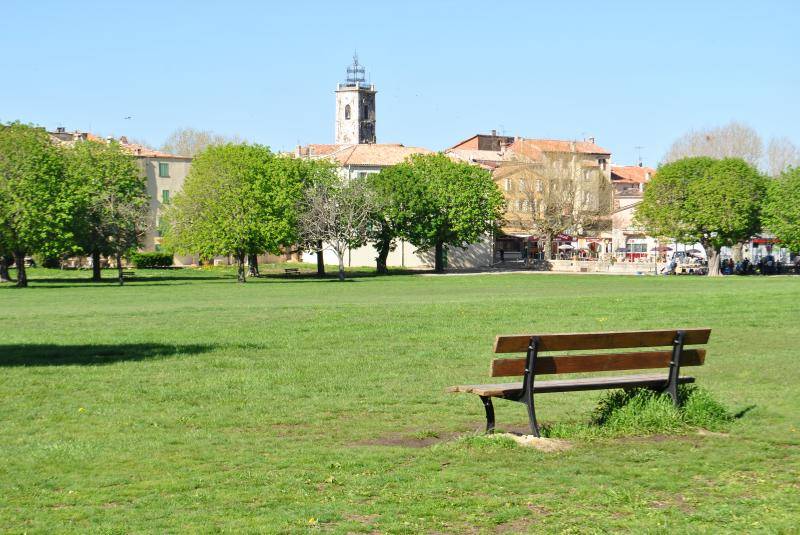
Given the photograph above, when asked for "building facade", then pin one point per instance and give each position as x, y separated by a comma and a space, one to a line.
544, 178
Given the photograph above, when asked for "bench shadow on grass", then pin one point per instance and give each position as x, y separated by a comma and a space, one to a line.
90, 354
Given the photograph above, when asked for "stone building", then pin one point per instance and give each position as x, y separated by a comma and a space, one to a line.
519, 165
629, 182
164, 172
355, 108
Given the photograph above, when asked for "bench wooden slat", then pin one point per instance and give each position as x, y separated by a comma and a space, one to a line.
570, 385
604, 362
600, 340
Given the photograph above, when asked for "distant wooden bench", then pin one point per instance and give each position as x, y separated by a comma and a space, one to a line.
128, 274
534, 365
291, 271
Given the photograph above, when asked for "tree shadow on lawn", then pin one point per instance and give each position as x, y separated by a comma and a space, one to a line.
90, 354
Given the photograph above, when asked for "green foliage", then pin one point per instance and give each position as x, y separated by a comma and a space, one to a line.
434, 201
782, 208
664, 211
151, 260
237, 200
644, 411
36, 202
725, 206
112, 214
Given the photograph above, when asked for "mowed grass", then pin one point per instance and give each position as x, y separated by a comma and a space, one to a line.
184, 401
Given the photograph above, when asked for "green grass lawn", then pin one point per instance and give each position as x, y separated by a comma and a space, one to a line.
184, 401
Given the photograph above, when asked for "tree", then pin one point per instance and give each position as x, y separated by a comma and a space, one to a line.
782, 154
190, 142
551, 197
36, 202
113, 210
237, 200
337, 215
782, 208
713, 202
390, 211
733, 140
444, 203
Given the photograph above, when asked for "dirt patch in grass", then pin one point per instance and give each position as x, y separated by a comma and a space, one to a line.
548, 445
677, 502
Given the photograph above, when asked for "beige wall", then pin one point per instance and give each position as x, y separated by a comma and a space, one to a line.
517, 182
178, 168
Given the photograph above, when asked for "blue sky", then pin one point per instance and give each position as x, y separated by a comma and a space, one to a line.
627, 73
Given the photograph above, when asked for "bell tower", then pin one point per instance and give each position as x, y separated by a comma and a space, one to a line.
355, 107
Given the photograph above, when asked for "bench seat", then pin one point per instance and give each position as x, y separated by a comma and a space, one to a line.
570, 385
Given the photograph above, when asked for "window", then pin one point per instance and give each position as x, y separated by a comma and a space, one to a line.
539, 185
163, 169
520, 205
347, 111
165, 196
508, 184
362, 174
521, 184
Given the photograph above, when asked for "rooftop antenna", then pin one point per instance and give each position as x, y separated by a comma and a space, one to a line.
639, 152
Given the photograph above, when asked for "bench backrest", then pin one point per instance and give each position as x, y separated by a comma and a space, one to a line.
597, 362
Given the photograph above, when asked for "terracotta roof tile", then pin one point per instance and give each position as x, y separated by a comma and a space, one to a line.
631, 173
373, 154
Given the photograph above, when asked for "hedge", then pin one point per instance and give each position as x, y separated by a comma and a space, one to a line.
151, 260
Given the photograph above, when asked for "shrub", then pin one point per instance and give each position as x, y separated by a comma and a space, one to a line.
646, 412
151, 260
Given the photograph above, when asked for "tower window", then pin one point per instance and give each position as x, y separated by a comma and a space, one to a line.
347, 111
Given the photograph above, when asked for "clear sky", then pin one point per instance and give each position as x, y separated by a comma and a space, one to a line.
628, 73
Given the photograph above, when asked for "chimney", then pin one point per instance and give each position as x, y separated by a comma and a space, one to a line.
494, 133
123, 140
503, 145
591, 140
61, 130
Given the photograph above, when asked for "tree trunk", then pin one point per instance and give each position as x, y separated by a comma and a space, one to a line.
5, 276
548, 247
96, 275
241, 275
383, 254
253, 261
22, 275
120, 277
737, 252
341, 267
438, 260
320, 260
712, 253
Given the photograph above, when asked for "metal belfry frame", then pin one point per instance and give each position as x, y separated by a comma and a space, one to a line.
526, 396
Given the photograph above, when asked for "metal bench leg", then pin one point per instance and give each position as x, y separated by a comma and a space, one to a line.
532, 417
487, 404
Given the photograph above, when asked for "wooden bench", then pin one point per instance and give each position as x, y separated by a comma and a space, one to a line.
128, 274
533, 365
291, 271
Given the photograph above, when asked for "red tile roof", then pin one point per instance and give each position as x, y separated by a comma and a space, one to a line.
372, 154
632, 174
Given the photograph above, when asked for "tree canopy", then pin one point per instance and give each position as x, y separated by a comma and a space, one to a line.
782, 208
37, 204
112, 212
713, 202
439, 202
237, 200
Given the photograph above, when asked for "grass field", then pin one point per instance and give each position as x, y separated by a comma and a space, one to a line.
184, 401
